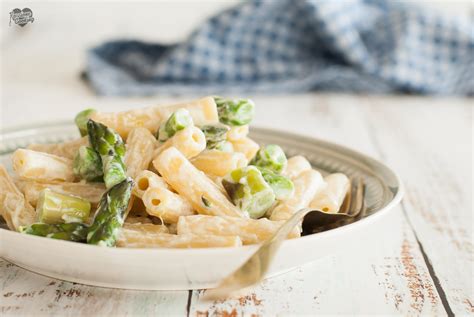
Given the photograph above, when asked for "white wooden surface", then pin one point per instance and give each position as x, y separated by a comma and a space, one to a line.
422, 265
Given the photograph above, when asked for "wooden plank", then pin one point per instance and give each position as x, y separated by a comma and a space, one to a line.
27, 294
430, 144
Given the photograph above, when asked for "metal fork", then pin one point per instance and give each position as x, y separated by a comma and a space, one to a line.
255, 268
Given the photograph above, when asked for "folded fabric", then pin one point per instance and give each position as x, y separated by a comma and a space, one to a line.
287, 46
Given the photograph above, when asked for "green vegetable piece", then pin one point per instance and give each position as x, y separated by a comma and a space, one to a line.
179, 120
76, 232
249, 191
224, 146
235, 112
215, 133
282, 186
111, 149
270, 157
55, 208
88, 165
216, 137
110, 214
81, 120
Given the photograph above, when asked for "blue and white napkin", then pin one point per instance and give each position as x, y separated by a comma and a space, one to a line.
287, 46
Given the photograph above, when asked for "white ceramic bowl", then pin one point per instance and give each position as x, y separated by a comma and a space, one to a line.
183, 269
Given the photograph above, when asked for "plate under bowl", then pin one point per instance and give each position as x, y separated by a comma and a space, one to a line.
183, 269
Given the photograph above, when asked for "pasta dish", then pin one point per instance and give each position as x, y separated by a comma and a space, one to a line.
174, 176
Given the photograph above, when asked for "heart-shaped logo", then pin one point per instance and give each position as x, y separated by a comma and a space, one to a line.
21, 17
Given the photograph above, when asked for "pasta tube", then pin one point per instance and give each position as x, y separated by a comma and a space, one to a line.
219, 163
194, 185
307, 184
332, 196
145, 227
163, 203
42, 166
250, 231
147, 179
237, 132
218, 181
137, 220
140, 146
190, 141
14, 208
134, 239
88, 191
295, 166
66, 149
246, 146
203, 111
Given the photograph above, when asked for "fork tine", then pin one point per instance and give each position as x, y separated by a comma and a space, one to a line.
346, 205
358, 199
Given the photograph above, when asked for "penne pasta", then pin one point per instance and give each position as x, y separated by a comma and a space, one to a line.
218, 181
250, 231
140, 147
42, 166
133, 239
66, 149
219, 163
246, 146
181, 180
194, 185
295, 166
190, 141
14, 208
147, 179
136, 219
237, 132
172, 228
163, 203
332, 196
307, 184
145, 227
91, 192
203, 111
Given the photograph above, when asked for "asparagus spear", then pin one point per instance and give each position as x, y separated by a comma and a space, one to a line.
179, 120
88, 165
76, 231
282, 186
110, 214
216, 137
55, 208
249, 191
81, 120
111, 149
270, 157
235, 112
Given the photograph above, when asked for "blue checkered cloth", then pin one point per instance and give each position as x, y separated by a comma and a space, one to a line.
287, 46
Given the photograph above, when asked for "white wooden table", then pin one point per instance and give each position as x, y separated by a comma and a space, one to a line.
423, 265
